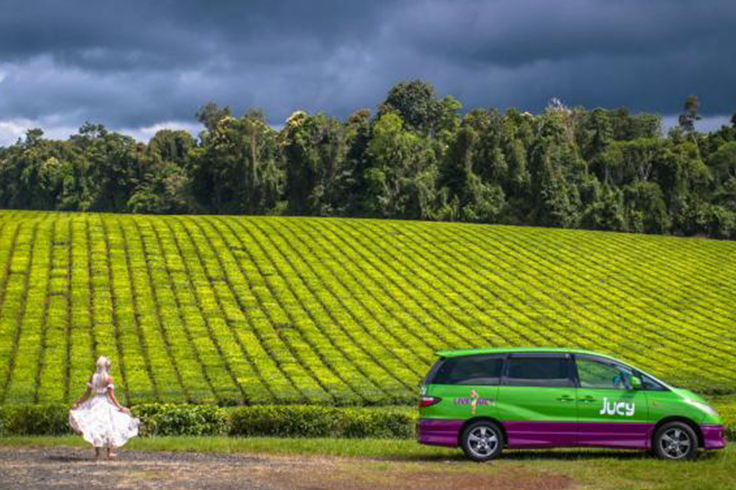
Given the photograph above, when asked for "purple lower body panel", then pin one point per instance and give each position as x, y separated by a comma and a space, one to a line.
439, 432
713, 436
531, 435
621, 435
527, 435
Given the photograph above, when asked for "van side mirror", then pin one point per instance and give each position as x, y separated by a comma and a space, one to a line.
635, 383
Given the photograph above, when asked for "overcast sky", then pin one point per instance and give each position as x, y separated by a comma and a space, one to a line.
137, 66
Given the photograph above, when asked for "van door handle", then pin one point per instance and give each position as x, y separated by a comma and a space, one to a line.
566, 398
587, 399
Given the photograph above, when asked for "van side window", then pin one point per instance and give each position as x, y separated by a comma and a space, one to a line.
651, 384
596, 374
539, 371
469, 370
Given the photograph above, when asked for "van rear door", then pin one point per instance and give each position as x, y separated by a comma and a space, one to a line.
536, 400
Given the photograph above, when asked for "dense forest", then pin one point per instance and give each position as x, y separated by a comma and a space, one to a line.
418, 157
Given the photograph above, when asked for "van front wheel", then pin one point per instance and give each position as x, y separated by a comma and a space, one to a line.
482, 441
675, 440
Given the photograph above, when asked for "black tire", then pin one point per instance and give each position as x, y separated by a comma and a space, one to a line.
675, 441
482, 441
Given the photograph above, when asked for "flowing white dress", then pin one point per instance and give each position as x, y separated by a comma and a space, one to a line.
99, 421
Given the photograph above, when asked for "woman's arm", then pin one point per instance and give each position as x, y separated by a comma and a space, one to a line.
111, 395
83, 397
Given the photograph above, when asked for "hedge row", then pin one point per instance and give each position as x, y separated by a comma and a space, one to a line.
209, 420
259, 420
311, 421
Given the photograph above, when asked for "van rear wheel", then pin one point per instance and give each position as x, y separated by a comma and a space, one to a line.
675, 441
482, 441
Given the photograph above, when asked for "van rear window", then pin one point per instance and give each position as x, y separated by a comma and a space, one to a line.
470, 370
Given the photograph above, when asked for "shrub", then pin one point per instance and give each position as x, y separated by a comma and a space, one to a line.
283, 421
34, 420
181, 420
315, 421
380, 423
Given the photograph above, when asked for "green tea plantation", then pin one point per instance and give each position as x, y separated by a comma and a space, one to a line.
263, 310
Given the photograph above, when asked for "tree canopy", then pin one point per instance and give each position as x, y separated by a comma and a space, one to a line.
418, 157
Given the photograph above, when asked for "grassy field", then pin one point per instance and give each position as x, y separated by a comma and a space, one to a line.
403, 464
340, 311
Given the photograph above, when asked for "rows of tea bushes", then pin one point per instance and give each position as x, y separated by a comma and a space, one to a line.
339, 312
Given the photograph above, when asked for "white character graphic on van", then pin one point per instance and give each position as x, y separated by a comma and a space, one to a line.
617, 408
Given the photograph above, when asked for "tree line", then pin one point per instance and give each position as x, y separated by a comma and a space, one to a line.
418, 157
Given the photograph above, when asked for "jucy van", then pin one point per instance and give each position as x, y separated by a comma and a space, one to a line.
485, 400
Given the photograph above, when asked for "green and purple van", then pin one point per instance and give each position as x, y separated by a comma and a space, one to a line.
484, 400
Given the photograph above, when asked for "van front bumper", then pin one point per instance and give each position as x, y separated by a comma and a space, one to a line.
439, 432
713, 436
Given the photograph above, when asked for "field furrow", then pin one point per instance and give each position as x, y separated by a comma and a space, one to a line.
23, 343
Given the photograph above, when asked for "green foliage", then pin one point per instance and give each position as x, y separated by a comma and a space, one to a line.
646, 210
417, 105
238, 170
314, 149
31, 420
418, 158
208, 420
306, 421
688, 118
606, 210
182, 420
723, 162
400, 182
211, 114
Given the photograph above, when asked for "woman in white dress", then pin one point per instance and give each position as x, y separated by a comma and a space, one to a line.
98, 416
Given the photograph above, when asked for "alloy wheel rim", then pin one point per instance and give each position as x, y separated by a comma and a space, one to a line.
482, 441
675, 443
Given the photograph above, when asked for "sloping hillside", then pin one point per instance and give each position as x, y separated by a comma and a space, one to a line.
339, 311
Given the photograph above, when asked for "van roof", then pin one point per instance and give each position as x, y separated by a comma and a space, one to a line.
470, 352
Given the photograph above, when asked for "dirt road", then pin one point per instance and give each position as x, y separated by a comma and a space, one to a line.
61, 468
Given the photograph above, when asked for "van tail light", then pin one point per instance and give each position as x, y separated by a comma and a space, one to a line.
428, 401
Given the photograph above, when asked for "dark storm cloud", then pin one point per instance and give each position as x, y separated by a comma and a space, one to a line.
644, 54
133, 63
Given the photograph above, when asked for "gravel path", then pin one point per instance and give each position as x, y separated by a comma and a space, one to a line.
64, 468
60, 468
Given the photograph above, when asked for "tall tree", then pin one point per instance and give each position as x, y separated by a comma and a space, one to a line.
314, 151
166, 184
416, 102
211, 114
687, 119
238, 169
400, 181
